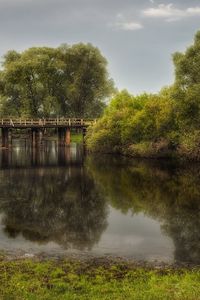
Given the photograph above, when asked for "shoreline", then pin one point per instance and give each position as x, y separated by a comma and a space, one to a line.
98, 260
172, 157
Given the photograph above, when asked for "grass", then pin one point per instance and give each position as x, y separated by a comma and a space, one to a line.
77, 138
73, 280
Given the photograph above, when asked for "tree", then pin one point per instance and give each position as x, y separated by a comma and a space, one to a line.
30, 82
62, 81
187, 65
187, 85
132, 119
87, 80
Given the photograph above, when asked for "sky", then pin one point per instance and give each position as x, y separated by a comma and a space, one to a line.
138, 37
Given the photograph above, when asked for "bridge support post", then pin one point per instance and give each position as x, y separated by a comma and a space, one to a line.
10, 137
5, 137
64, 136
36, 136
33, 137
67, 137
84, 131
60, 137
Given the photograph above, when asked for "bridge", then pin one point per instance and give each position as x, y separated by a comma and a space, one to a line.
37, 128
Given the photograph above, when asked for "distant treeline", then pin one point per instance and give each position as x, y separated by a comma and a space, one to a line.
155, 125
44, 82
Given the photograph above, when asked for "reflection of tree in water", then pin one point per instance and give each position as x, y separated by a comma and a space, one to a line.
55, 204
67, 205
162, 191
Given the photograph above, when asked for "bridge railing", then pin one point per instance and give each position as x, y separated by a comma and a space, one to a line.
45, 122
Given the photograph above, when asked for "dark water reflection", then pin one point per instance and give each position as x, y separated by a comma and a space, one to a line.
59, 201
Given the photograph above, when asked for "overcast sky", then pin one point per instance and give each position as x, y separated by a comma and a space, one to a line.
136, 36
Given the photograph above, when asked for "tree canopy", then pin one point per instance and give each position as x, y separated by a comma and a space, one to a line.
65, 81
187, 84
152, 124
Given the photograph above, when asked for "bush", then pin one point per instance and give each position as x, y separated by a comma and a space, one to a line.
190, 145
158, 149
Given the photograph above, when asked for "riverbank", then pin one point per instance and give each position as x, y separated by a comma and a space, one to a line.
152, 150
141, 150
96, 279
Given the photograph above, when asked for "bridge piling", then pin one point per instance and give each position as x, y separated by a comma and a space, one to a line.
33, 137
36, 136
84, 131
5, 137
67, 137
60, 137
64, 136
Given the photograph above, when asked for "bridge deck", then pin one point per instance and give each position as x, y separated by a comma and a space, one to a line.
46, 123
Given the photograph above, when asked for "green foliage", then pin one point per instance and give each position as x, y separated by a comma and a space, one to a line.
43, 81
132, 120
155, 124
187, 65
190, 145
187, 85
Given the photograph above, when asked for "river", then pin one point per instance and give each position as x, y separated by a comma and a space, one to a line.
60, 201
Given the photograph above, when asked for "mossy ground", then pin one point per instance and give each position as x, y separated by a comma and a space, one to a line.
50, 279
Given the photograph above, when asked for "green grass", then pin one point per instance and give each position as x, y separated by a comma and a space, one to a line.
77, 138
29, 279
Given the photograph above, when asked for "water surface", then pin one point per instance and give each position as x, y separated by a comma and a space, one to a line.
59, 201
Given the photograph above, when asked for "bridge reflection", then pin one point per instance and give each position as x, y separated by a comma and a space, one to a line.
49, 156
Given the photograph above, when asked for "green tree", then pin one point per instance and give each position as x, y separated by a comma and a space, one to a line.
187, 85
151, 124
64, 81
30, 81
131, 120
87, 80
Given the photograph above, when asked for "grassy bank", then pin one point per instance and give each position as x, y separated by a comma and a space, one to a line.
29, 279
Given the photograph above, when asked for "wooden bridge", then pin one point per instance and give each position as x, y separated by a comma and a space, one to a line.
38, 126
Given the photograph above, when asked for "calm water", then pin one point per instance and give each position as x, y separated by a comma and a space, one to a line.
60, 201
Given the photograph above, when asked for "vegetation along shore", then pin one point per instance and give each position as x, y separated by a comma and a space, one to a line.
155, 125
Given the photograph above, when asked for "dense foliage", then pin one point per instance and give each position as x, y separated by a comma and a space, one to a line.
155, 124
69, 80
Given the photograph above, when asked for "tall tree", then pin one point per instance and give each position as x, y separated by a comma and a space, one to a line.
87, 80
64, 81
187, 84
